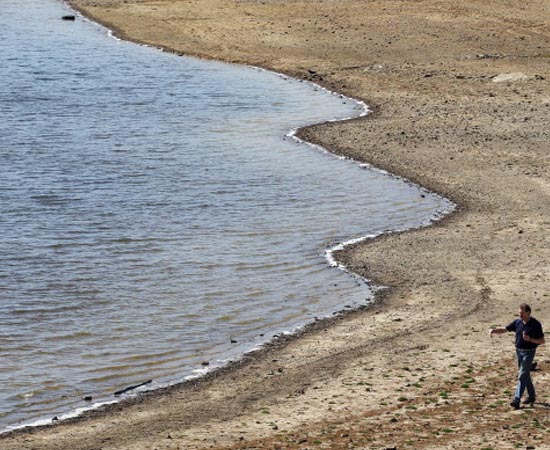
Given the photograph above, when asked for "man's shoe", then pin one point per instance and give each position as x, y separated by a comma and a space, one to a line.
514, 404
529, 401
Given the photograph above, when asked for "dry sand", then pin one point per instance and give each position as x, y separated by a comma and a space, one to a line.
461, 100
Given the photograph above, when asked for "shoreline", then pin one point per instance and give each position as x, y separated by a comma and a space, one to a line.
439, 121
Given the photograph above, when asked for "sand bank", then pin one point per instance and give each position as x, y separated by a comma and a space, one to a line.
461, 102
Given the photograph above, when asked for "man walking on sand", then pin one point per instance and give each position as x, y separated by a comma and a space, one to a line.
529, 335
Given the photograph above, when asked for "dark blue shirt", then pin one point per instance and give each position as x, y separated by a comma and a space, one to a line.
532, 328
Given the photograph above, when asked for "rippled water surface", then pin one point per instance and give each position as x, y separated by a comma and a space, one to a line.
153, 215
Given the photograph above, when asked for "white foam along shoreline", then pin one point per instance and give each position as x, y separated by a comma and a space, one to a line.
329, 253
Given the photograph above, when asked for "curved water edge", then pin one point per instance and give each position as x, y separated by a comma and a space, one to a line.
329, 256
430, 220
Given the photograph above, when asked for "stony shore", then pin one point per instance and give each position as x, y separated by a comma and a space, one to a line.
460, 93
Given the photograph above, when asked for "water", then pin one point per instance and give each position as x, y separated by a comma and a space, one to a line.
154, 216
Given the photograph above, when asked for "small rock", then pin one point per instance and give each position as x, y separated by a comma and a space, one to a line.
205, 363
489, 56
88, 398
511, 77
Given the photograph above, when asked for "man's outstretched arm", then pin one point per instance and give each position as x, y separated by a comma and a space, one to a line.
499, 330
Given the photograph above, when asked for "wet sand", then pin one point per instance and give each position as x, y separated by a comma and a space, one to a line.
417, 370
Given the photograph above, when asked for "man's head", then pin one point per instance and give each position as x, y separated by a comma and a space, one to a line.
524, 312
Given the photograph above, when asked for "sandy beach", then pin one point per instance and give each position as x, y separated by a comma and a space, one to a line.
460, 95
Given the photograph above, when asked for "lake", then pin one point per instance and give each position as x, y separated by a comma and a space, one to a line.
155, 215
